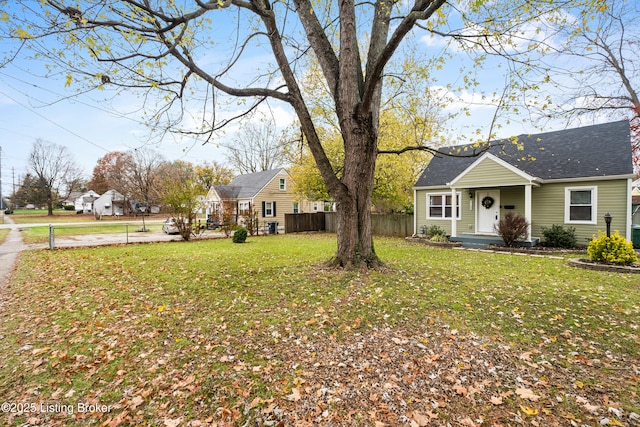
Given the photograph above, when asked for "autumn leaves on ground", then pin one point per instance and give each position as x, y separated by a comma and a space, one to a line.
219, 334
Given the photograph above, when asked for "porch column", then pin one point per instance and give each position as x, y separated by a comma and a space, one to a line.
454, 216
527, 209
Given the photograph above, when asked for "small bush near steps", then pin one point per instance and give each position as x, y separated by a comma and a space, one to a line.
439, 238
240, 235
511, 228
613, 250
557, 236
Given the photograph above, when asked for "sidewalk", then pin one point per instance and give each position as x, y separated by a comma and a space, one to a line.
9, 250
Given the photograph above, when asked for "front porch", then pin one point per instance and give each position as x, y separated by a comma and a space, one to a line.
482, 241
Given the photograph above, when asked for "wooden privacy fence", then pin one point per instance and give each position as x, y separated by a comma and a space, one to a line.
393, 225
298, 223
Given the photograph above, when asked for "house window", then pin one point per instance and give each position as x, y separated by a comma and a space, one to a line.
439, 205
269, 208
581, 205
296, 207
243, 207
315, 206
283, 184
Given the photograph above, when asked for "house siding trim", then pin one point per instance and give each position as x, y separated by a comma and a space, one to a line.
487, 161
586, 178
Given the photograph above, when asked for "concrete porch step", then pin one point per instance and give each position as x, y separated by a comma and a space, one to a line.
481, 241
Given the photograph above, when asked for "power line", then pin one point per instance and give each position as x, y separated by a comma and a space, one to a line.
62, 97
54, 123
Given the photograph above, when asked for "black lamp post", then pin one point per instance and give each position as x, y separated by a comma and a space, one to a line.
607, 220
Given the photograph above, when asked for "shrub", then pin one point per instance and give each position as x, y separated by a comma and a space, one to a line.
511, 228
240, 235
435, 230
438, 238
559, 237
613, 250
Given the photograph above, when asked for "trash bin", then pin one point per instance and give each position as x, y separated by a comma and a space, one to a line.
635, 236
273, 228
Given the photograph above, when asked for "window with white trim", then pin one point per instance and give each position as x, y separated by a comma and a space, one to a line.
268, 209
580, 205
283, 184
243, 207
439, 205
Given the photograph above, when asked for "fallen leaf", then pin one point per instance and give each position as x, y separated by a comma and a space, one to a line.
295, 395
528, 410
592, 409
526, 393
168, 422
496, 400
136, 401
421, 420
467, 422
460, 390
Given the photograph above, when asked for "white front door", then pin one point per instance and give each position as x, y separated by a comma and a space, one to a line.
488, 211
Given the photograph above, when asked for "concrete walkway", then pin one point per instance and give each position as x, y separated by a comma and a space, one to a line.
9, 250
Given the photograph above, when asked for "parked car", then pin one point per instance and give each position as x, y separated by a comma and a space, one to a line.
170, 226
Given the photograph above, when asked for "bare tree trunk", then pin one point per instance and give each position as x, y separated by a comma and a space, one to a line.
355, 240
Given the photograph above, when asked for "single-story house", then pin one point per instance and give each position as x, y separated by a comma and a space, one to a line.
110, 203
73, 196
84, 202
267, 194
571, 177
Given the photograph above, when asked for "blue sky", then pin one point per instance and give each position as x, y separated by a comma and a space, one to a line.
92, 124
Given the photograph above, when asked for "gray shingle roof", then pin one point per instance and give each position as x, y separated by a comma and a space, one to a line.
248, 185
590, 151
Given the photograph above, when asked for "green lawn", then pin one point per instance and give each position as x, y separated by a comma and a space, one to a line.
26, 216
216, 333
41, 234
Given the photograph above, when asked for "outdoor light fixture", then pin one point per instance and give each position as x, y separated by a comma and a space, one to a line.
607, 220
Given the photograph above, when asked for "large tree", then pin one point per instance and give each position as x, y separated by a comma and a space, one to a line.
595, 65
170, 48
143, 175
110, 173
55, 169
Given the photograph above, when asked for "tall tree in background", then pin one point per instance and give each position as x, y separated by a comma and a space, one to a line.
257, 147
170, 51
213, 173
110, 173
598, 68
142, 174
29, 192
54, 167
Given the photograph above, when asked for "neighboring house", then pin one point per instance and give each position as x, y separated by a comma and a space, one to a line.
267, 194
84, 202
571, 177
70, 201
110, 203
